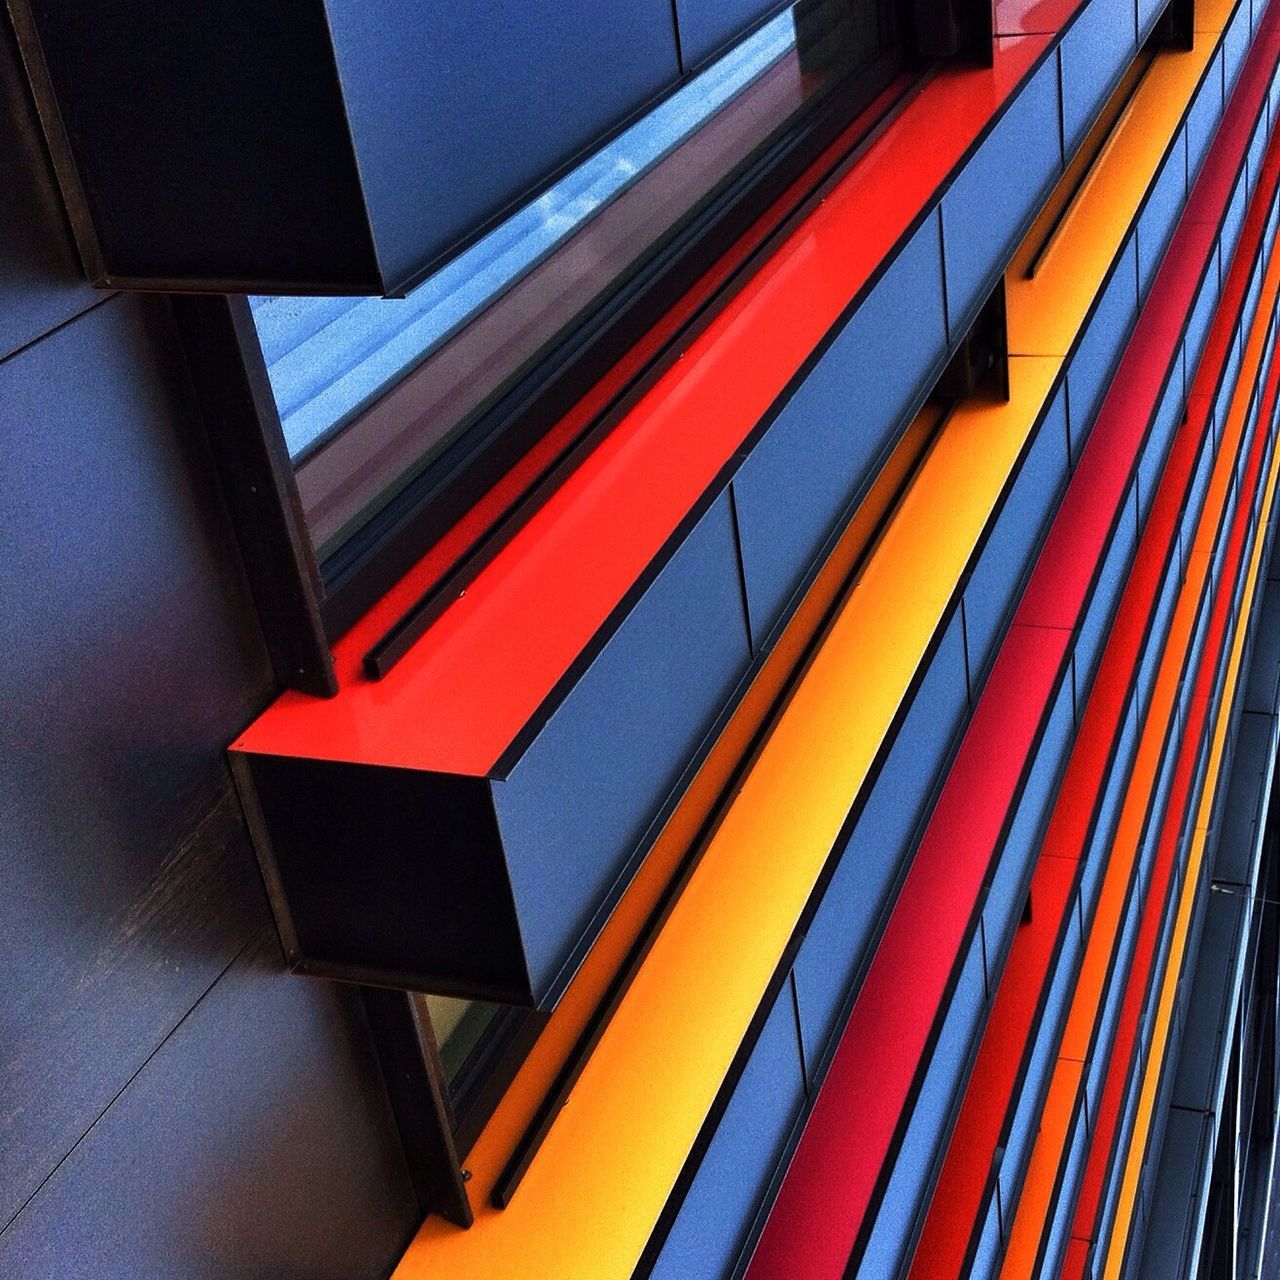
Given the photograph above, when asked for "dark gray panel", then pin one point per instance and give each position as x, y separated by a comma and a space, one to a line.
130, 659
1171, 1236
41, 283
1211, 1012
255, 1144
1238, 834
1263, 688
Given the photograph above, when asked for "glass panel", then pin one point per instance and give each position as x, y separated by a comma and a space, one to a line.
458, 1026
482, 321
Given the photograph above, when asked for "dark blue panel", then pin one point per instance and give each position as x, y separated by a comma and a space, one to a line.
1161, 616
1095, 52
1235, 44
1026, 1114
1251, 301
1006, 181
1124, 1129
706, 25
1257, 149
1202, 119
1211, 1008
1201, 318
131, 657
41, 284
868, 866
1107, 589
1003, 907
579, 800
892, 1232
1155, 451
457, 109
1006, 558
1264, 674
828, 440
1195, 496
731, 1181
1163, 208
1162, 788
1170, 1241
986, 1255
1240, 826
1101, 346
255, 1143
1113, 998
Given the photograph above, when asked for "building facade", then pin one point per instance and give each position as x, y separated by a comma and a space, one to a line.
641, 643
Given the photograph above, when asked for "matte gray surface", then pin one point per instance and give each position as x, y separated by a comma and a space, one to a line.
172, 1104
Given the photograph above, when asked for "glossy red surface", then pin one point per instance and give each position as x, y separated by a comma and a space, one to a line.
1254, 80
824, 1197
1027, 17
482, 671
957, 1200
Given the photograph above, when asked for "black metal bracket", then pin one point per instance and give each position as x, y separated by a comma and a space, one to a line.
257, 481
981, 361
955, 29
410, 1067
1175, 28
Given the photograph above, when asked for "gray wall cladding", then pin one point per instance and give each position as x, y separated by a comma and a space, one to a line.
172, 1104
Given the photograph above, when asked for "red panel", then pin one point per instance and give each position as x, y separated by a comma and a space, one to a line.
1076, 1260
958, 1196
482, 671
956, 1203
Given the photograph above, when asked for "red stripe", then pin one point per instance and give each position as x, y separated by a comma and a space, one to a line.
816, 1219
478, 676
958, 1197
1118, 1074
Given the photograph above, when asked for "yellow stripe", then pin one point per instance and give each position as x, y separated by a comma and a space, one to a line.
589, 1200
1046, 310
